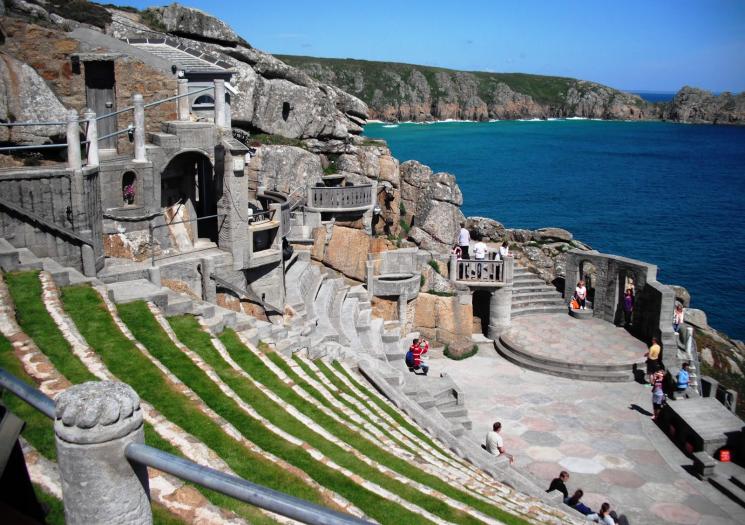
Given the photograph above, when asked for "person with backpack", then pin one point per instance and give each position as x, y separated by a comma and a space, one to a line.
414, 359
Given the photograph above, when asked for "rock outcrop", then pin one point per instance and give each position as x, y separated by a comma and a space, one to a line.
27, 98
700, 106
193, 23
432, 206
285, 168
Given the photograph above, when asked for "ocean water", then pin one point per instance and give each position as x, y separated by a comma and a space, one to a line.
655, 97
669, 194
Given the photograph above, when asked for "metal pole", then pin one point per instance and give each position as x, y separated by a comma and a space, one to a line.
220, 103
29, 394
74, 161
152, 246
262, 497
183, 101
139, 105
91, 135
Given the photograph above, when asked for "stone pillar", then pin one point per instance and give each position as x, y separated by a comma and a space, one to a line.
508, 270
209, 288
370, 278
139, 104
453, 268
183, 102
91, 135
88, 258
220, 103
94, 423
234, 235
500, 311
74, 161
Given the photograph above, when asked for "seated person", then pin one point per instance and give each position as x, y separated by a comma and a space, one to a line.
414, 357
559, 484
681, 382
577, 505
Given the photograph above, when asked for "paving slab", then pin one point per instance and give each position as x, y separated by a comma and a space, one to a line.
600, 432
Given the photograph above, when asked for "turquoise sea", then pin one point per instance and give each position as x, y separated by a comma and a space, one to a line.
669, 194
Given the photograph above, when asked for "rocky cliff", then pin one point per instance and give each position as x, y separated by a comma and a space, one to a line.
698, 106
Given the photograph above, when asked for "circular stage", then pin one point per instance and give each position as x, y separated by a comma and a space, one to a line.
561, 345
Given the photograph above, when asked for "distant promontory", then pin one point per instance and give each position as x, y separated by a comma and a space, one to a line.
407, 92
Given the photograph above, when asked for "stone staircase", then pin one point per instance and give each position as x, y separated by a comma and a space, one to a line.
19, 259
531, 294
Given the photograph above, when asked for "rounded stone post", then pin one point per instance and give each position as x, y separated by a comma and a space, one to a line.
91, 135
453, 268
183, 102
220, 102
74, 161
94, 423
500, 311
139, 105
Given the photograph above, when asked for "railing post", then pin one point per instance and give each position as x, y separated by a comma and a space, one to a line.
453, 270
310, 197
94, 423
74, 161
139, 132
91, 135
220, 103
508, 269
183, 101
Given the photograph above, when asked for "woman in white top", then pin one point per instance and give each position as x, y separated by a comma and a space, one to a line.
580, 293
504, 250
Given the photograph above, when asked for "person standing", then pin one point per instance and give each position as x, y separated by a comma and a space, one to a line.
658, 394
495, 443
580, 293
628, 307
464, 240
504, 250
479, 253
677, 317
653, 358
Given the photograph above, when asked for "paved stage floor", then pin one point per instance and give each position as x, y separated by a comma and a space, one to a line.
601, 433
582, 341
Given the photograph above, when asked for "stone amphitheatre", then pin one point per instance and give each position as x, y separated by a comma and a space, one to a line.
211, 277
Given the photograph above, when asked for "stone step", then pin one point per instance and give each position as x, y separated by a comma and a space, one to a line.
138, 290
325, 331
567, 370
532, 286
336, 312
348, 321
538, 302
463, 421
453, 411
728, 488
523, 294
527, 310
178, 304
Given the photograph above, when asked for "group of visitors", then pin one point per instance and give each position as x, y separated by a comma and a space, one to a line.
604, 515
579, 299
462, 250
656, 372
416, 358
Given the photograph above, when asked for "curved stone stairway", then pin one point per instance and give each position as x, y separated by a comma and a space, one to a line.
531, 294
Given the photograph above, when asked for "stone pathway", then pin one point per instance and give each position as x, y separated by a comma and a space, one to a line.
600, 433
564, 338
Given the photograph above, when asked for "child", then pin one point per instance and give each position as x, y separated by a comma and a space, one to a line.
681, 383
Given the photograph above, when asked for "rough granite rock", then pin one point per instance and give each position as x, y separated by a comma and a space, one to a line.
433, 200
287, 168
682, 295
700, 106
25, 97
552, 234
193, 23
347, 252
696, 317
518, 235
488, 229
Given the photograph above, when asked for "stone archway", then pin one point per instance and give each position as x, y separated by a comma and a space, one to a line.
189, 180
589, 273
625, 280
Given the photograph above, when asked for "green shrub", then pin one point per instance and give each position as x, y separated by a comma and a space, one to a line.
441, 294
404, 226
260, 139
150, 18
459, 357
422, 280
435, 266
402, 208
331, 169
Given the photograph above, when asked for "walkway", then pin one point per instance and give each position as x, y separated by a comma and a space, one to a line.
600, 433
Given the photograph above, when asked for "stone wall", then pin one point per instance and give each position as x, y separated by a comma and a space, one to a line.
446, 319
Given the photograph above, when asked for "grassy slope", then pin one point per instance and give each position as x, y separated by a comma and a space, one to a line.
544, 89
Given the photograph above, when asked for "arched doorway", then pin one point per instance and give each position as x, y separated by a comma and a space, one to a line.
626, 281
481, 301
588, 273
189, 180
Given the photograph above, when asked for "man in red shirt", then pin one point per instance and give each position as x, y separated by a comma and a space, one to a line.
419, 348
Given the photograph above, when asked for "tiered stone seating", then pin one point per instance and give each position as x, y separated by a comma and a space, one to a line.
531, 294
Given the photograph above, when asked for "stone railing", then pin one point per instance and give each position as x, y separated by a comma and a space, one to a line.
341, 198
481, 272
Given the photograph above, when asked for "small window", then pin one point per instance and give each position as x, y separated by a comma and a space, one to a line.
129, 187
204, 100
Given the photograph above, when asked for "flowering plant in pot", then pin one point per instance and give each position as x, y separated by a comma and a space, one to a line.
128, 193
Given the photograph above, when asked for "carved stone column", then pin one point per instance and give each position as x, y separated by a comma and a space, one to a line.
94, 423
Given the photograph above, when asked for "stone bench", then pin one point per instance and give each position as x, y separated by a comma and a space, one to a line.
703, 465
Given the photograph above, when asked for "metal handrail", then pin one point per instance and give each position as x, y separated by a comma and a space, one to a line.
35, 146
175, 97
11, 124
261, 216
27, 393
233, 486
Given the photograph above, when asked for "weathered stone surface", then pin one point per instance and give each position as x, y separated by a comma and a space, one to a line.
697, 105
696, 317
319, 243
681, 295
433, 200
287, 168
386, 309
519, 235
706, 356
553, 234
445, 317
191, 22
347, 252
27, 98
28, 8
488, 229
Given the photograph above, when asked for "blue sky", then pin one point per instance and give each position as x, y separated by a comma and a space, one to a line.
633, 45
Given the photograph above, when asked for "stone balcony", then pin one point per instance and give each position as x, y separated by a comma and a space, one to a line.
341, 198
487, 273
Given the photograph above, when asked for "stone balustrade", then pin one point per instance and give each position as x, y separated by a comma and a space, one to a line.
487, 272
341, 198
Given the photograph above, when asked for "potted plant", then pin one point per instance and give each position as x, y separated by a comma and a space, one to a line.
128, 193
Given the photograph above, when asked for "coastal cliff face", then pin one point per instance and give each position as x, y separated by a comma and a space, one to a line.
403, 92
698, 106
